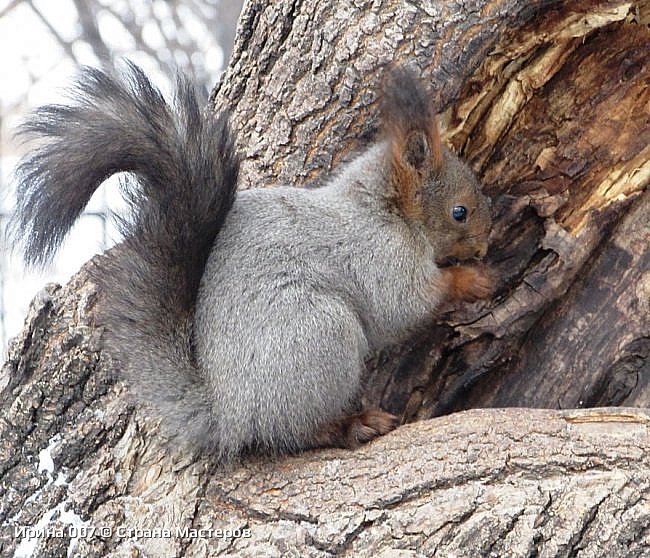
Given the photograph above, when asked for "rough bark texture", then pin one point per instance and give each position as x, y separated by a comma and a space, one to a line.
549, 101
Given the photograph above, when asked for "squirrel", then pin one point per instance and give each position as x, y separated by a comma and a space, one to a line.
244, 318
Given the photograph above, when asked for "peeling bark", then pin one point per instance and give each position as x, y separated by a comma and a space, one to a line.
548, 100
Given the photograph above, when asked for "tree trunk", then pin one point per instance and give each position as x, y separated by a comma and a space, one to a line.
548, 100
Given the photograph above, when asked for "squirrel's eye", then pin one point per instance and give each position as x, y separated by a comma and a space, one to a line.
459, 213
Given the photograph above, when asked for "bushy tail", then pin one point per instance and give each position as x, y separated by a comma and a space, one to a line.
186, 169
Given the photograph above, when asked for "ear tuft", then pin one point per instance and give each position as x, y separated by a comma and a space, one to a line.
409, 123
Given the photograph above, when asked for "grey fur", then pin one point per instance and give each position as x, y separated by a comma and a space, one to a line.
299, 285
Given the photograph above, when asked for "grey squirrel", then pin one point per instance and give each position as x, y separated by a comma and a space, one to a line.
244, 319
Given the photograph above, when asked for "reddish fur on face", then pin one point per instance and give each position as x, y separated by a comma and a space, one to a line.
410, 124
468, 283
352, 431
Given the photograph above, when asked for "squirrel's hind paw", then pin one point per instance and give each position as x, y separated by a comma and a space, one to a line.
354, 430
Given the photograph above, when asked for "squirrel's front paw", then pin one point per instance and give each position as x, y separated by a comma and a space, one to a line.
469, 283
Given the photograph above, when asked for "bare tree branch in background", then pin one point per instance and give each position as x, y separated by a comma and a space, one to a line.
172, 22
87, 10
65, 45
128, 19
4, 11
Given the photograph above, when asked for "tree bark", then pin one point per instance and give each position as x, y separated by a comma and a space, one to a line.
548, 100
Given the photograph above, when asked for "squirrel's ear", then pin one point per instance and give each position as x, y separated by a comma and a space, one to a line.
415, 149
410, 126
